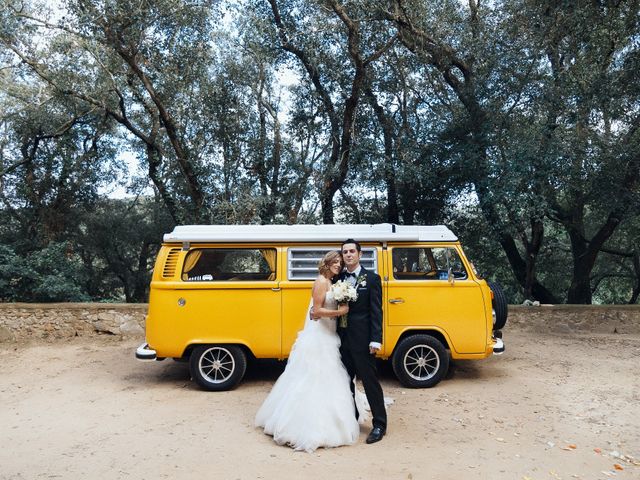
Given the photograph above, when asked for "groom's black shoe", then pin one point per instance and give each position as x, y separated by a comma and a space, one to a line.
376, 435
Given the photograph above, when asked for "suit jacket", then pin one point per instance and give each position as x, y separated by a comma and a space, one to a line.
364, 322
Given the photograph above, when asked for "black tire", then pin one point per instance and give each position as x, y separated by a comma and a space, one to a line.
499, 304
420, 361
217, 367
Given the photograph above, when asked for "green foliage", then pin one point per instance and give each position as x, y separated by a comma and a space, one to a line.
118, 242
516, 123
108, 257
53, 274
14, 274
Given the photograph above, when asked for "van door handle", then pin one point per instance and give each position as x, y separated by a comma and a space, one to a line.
277, 289
396, 300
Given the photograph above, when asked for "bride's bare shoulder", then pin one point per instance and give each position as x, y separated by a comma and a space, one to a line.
321, 283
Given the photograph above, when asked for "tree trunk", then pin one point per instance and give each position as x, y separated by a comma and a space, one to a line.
532, 248
155, 160
326, 204
585, 252
389, 168
522, 269
636, 288
141, 282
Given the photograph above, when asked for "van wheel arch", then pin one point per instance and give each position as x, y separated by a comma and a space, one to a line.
433, 333
186, 355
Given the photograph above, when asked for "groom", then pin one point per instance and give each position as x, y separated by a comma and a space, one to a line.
361, 338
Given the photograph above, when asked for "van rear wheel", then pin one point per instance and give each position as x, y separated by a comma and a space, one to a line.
420, 361
217, 367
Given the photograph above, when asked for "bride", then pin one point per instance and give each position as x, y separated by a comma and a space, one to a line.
311, 404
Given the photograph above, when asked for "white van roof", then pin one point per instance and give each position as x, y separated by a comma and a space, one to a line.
380, 232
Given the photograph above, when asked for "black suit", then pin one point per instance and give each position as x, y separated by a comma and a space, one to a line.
364, 325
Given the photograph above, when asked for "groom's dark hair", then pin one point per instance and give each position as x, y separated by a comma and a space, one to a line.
351, 240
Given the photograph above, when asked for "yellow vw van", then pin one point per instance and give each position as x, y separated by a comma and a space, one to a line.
222, 293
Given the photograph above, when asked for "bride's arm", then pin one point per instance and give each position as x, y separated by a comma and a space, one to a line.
318, 292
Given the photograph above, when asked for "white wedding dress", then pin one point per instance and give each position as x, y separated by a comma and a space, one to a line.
311, 404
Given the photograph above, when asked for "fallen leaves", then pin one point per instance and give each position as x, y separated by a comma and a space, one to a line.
625, 458
617, 467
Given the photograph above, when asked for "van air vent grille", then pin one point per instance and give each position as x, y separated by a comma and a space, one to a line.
169, 270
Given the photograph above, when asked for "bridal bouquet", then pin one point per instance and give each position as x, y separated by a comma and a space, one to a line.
343, 292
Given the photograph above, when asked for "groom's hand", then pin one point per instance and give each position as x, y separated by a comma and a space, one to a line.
374, 347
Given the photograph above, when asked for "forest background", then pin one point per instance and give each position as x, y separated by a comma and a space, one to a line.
515, 123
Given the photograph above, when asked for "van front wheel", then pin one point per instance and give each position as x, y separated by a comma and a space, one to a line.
217, 367
420, 361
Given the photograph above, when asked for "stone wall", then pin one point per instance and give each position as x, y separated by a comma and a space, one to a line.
23, 321
576, 318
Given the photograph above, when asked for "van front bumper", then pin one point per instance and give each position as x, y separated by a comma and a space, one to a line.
146, 354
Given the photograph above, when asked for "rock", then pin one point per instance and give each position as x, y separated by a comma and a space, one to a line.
562, 328
107, 322
107, 317
6, 335
104, 327
131, 327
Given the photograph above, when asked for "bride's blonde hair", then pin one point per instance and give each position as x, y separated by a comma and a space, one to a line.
327, 260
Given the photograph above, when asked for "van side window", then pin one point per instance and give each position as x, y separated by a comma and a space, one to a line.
234, 264
302, 262
427, 264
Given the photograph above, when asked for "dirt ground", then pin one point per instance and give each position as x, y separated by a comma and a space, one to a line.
552, 407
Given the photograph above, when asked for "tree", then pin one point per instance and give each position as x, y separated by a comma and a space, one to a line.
143, 65
534, 142
591, 126
515, 122
468, 70
316, 54
118, 242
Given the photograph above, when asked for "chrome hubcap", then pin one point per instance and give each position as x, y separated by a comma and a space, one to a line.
216, 364
421, 362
